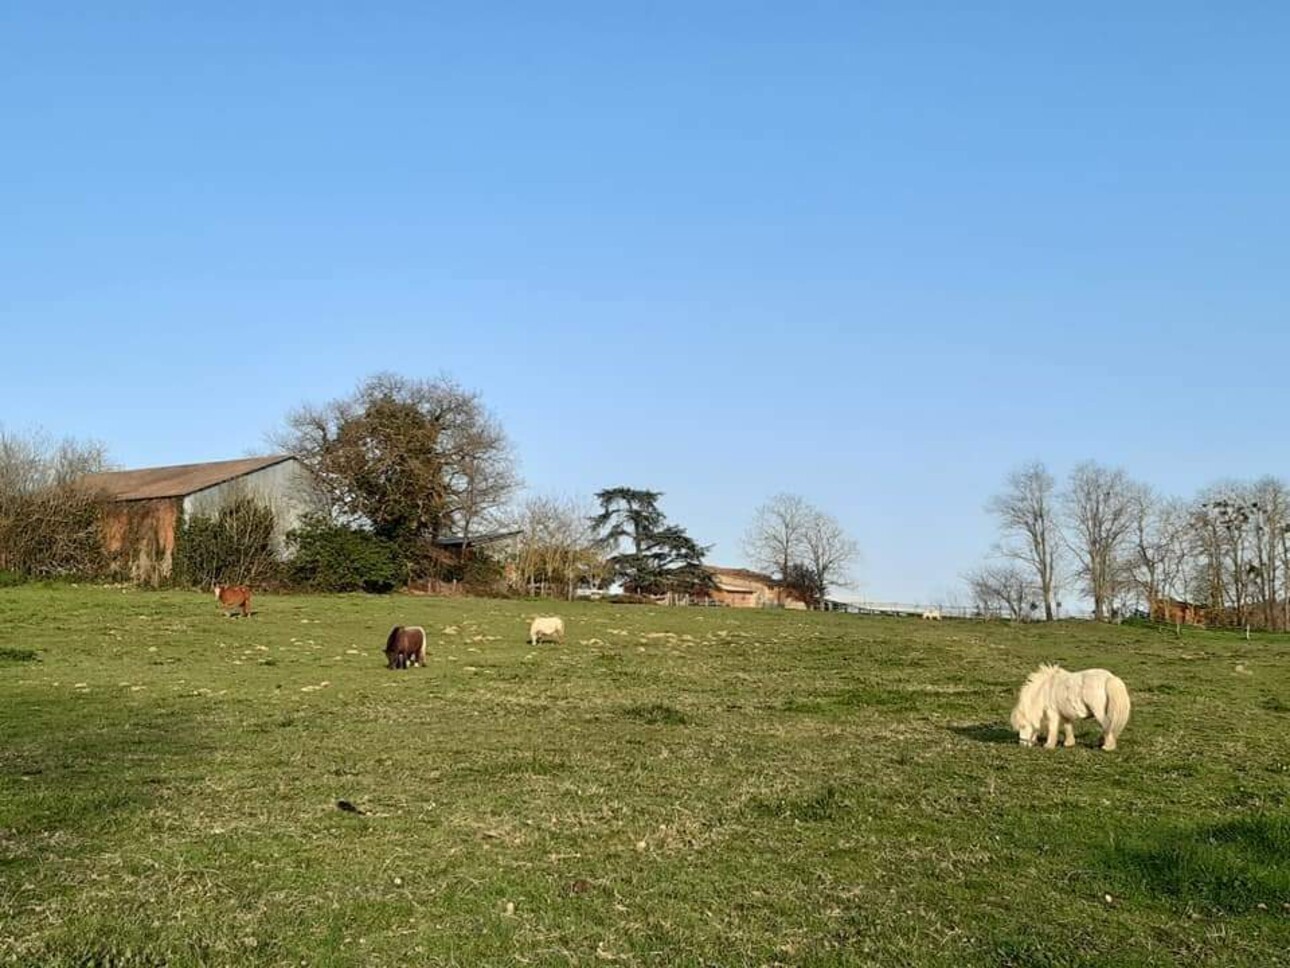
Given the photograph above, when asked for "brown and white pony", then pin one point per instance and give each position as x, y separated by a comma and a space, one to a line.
234, 597
405, 646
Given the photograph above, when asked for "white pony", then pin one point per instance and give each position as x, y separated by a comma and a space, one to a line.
1052, 693
551, 628
932, 615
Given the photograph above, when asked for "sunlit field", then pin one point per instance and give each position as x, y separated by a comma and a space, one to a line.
668, 787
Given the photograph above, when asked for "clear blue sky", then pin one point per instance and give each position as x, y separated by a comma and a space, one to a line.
875, 253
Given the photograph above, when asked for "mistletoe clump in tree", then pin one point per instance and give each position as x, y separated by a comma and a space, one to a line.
652, 556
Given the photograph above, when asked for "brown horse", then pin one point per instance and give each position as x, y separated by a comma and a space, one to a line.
234, 597
405, 646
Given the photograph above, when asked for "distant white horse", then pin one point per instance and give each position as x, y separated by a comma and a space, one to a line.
932, 615
1062, 697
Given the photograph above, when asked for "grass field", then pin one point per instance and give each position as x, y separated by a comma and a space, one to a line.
670, 787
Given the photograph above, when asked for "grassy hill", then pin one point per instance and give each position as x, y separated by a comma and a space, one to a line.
670, 786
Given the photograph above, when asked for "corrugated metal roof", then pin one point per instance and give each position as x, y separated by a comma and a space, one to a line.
177, 481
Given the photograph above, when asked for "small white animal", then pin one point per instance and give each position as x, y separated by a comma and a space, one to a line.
1054, 697
932, 615
551, 629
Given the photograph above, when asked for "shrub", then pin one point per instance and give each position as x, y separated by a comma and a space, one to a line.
330, 557
52, 532
233, 547
482, 574
49, 523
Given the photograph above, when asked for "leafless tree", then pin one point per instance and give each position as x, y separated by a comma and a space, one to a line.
829, 551
1001, 589
1027, 517
557, 550
1224, 523
776, 539
1099, 505
1269, 504
1159, 547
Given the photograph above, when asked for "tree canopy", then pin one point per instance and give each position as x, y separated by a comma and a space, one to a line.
652, 557
413, 460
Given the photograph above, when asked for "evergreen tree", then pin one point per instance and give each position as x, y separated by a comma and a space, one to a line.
659, 558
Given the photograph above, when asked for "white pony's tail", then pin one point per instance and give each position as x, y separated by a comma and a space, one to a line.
1117, 705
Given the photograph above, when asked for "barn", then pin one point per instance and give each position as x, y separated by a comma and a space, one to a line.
743, 588
145, 506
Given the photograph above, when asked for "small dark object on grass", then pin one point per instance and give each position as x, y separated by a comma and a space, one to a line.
579, 886
347, 807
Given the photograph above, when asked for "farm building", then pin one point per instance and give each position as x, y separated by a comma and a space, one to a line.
146, 505
1176, 612
742, 588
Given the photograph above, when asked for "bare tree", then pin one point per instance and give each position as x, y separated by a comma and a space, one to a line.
1028, 519
1270, 517
1001, 589
1099, 505
1158, 547
1225, 521
557, 550
776, 538
829, 551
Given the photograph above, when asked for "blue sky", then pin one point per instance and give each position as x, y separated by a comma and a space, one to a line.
873, 253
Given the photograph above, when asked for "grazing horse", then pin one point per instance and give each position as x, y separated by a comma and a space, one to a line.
405, 646
551, 629
1061, 697
234, 597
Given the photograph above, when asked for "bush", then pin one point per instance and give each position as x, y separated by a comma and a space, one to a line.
11, 579
235, 547
50, 526
53, 532
330, 557
482, 575
628, 598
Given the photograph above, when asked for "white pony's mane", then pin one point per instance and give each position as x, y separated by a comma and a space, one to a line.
1043, 673
1029, 709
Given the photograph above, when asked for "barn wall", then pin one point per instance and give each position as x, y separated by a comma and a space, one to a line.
139, 537
282, 487
745, 593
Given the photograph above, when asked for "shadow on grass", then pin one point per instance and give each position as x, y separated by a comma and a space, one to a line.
986, 733
71, 768
1029, 952
1231, 867
18, 655
825, 804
